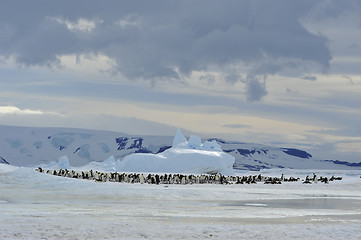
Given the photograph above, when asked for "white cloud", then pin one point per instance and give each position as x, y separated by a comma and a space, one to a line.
349, 147
130, 20
13, 110
4, 110
82, 24
88, 64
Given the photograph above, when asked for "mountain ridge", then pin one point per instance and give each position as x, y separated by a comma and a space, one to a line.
30, 146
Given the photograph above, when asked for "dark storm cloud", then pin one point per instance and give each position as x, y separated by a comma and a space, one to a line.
165, 39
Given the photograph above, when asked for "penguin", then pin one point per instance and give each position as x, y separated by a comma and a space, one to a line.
259, 178
307, 181
157, 180
176, 179
131, 178
325, 180
165, 179
97, 176
149, 178
315, 179
183, 180
217, 179
141, 179
170, 179
104, 177
117, 177
152, 179
121, 177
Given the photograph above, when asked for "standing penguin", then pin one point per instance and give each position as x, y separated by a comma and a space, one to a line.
157, 180
141, 178
183, 180
315, 179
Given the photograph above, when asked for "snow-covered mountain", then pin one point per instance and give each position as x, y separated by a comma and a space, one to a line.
29, 146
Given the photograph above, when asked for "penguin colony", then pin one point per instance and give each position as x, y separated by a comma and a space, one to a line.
179, 178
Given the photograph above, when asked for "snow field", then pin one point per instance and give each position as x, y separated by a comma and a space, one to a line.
41, 206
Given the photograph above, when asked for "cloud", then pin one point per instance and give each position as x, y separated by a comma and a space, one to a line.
82, 25
129, 125
349, 147
348, 78
255, 89
310, 78
6, 110
236, 125
208, 79
232, 78
166, 39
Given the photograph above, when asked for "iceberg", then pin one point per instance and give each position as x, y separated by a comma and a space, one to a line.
63, 163
179, 139
185, 156
109, 165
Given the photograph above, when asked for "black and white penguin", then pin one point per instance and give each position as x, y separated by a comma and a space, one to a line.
307, 181
157, 179
308, 178
141, 179
183, 180
315, 179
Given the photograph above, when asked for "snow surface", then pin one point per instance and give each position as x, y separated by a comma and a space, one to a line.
183, 157
41, 206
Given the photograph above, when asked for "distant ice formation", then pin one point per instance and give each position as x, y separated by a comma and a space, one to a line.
63, 163
184, 156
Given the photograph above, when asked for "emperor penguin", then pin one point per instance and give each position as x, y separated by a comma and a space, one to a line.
96, 176
157, 180
141, 178
315, 179
126, 178
183, 180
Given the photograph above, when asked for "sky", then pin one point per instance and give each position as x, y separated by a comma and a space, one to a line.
284, 73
